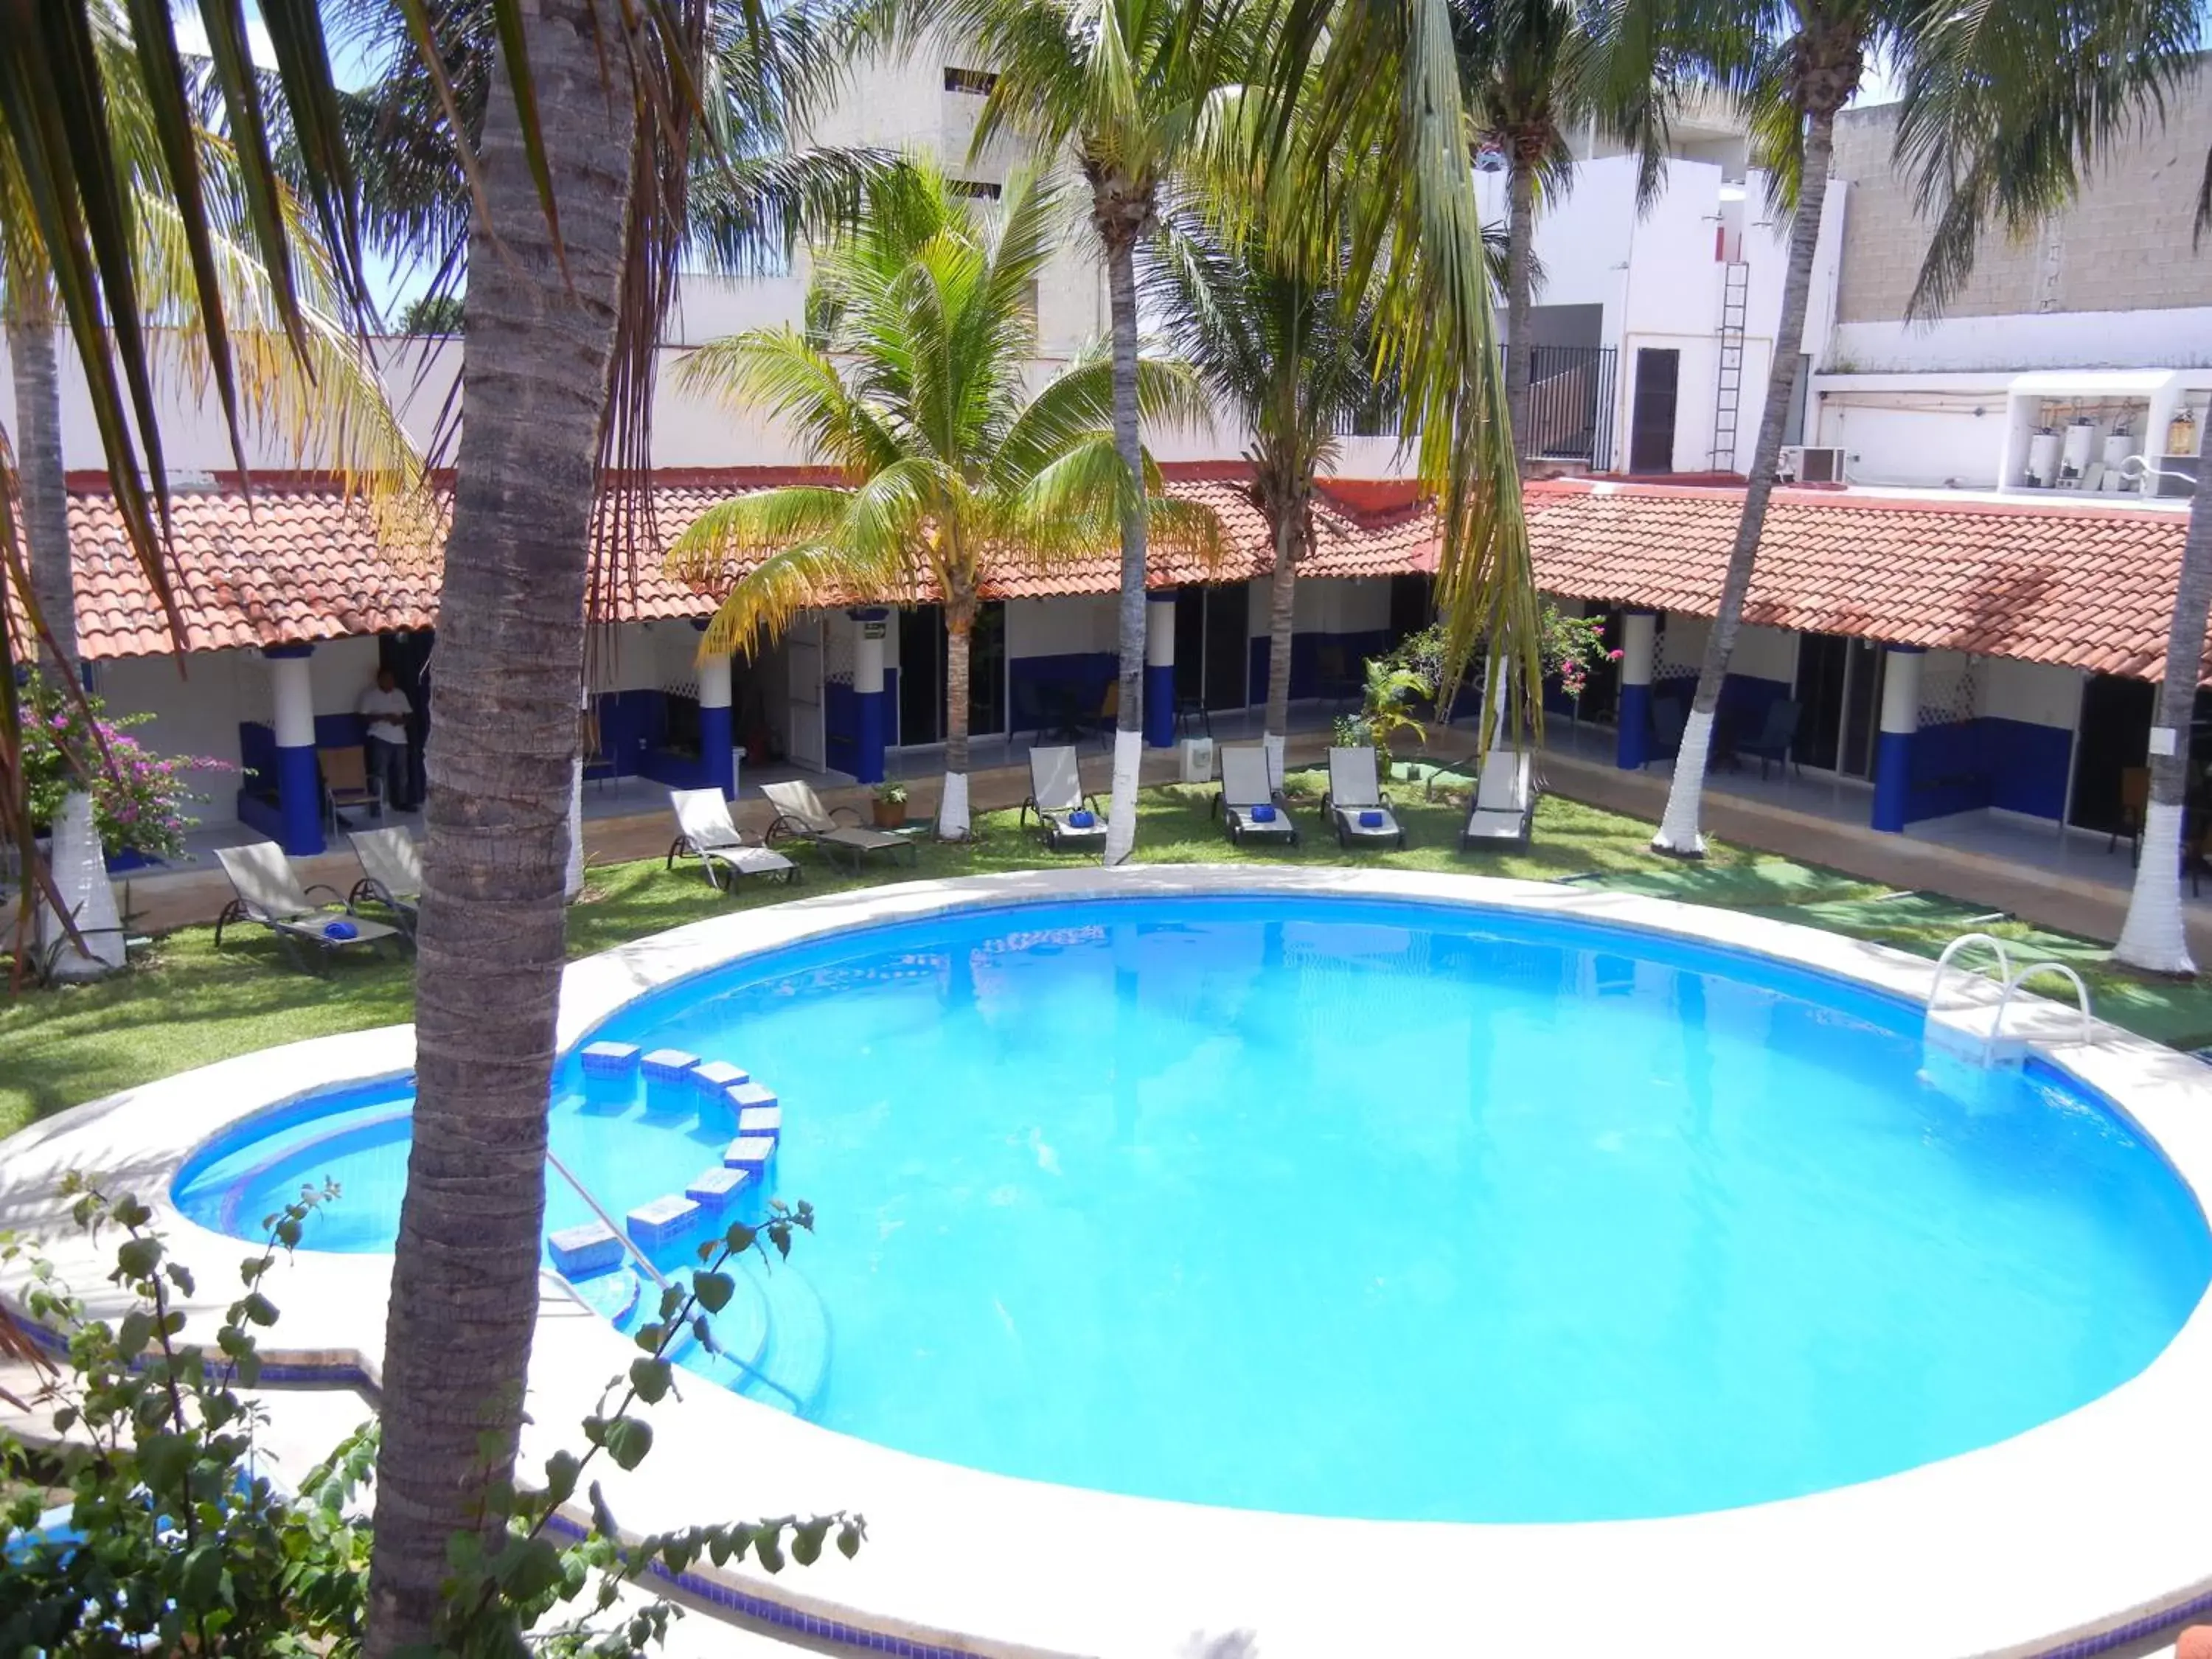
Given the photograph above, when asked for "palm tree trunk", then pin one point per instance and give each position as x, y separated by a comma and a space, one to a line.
1679, 831
74, 857
510, 658
2154, 937
41, 480
952, 807
1281, 616
1129, 721
1520, 240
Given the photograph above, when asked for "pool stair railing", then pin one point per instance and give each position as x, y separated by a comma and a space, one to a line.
581, 1252
1985, 1024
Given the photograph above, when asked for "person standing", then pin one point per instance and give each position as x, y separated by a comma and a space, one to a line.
385, 712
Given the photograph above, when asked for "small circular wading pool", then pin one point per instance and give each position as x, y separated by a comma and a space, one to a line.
1354, 1207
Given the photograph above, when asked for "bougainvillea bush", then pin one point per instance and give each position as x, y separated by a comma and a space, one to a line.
138, 797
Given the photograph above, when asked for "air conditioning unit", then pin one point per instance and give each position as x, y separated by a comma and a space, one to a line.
1197, 760
1810, 464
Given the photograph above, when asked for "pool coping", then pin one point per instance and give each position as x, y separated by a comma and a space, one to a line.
2060, 1543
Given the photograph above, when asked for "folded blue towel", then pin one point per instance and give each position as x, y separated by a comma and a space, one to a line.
1370, 818
1263, 813
340, 930
1082, 818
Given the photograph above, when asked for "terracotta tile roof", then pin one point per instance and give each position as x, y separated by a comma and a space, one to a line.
2081, 587
300, 563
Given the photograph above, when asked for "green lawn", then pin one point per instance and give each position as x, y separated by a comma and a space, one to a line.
183, 1003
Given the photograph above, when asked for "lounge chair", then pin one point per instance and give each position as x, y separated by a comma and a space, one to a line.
1067, 816
704, 831
270, 893
1250, 802
391, 874
1504, 812
800, 815
1356, 804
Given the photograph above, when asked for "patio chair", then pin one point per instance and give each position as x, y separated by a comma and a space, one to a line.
1067, 816
1669, 717
1503, 810
800, 816
1248, 801
346, 782
1775, 737
1108, 715
391, 874
1356, 804
269, 892
2135, 801
705, 830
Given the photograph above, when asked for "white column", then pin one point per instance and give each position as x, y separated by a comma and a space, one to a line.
292, 693
714, 682
1639, 646
868, 662
1900, 692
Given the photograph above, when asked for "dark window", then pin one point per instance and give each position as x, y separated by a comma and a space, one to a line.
1190, 644
1651, 423
2116, 719
921, 672
1228, 654
974, 189
979, 81
1821, 659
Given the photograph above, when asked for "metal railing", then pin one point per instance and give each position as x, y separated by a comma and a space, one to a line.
1571, 391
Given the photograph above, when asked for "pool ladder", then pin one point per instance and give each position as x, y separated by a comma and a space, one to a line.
661, 1279
1976, 1029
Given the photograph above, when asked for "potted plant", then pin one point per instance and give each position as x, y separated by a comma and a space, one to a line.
891, 806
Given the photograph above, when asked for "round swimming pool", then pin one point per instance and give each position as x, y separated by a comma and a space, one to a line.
1359, 1207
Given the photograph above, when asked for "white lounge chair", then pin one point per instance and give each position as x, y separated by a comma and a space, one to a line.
800, 815
1253, 807
391, 873
1504, 811
270, 893
1057, 797
704, 831
1356, 803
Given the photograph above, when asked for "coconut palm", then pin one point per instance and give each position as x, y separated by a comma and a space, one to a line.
1796, 64
911, 384
325, 404
1295, 358
1533, 70
2010, 150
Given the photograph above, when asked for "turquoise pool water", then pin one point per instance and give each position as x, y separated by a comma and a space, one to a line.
1354, 1208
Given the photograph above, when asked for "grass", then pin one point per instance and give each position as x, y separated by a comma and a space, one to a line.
183, 1003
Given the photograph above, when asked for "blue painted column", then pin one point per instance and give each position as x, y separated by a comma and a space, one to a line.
1639, 634
717, 763
299, 780
1159, 667
873, 718
1900, 720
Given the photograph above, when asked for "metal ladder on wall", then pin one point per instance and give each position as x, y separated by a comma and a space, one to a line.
1728, 390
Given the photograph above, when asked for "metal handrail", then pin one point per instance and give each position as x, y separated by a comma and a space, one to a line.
1943, 961
638, 1254
2080, 997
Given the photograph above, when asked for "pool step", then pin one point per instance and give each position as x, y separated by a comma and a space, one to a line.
798, 1357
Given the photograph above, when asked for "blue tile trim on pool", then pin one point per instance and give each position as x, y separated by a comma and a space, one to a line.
304, 1373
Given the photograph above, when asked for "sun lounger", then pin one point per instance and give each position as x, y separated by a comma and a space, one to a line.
704, 831
800, 815
1504, 812
1067, 816
391, 873
1356, 803
270, 893
1253, 808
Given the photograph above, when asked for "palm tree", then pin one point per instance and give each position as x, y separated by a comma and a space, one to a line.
1295, 358
910, 383
1795, 64
325, 403
1532, 71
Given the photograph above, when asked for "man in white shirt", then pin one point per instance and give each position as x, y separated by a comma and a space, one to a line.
384, 709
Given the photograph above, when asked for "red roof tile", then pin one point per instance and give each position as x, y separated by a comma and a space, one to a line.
300, 563
2081, 587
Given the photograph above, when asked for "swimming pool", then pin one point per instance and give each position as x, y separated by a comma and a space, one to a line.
1360, 1207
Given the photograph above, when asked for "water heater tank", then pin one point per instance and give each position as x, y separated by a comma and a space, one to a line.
2042, 456
2081, 439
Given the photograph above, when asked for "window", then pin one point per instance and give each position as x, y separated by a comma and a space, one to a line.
974, 188
979, 81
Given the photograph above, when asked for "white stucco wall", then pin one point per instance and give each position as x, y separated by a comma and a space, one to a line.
198, 714
2034, 692
1767, 653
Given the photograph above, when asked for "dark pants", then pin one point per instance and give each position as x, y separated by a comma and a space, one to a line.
387, 769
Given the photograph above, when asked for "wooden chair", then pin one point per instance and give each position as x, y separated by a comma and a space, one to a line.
346, 782
2135, 802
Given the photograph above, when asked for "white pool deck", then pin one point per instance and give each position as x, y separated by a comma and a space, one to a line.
2073, 1538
